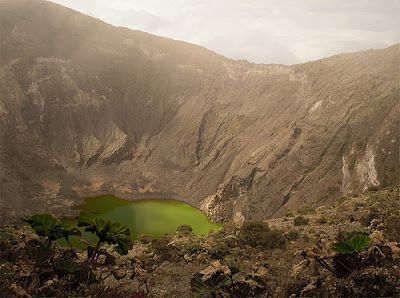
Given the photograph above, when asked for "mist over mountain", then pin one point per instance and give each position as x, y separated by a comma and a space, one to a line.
88, 108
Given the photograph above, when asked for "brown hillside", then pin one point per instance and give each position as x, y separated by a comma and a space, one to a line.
88, 108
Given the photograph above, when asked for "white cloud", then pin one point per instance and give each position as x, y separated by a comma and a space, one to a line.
264, 31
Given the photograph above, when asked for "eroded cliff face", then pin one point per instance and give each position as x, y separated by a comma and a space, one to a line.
87, 108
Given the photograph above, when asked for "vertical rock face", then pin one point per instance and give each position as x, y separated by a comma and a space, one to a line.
366, 171
87, 108
115, 143
346, 185
91, 150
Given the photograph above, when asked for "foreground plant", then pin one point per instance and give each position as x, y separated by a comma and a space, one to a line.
47, 225
348, 258
107, 231
355, 244
69, 228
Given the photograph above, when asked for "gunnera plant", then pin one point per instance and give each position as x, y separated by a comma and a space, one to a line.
49, 226
348, 259
357, 243
107, 231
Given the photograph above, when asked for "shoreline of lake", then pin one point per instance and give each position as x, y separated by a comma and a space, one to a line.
147, 216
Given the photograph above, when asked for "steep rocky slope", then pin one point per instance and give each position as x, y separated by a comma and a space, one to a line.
88, 108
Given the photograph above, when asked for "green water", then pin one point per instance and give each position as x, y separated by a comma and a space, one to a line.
150, 217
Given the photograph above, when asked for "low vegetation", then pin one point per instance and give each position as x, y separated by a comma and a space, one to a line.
337, 257
258, 234
300, 220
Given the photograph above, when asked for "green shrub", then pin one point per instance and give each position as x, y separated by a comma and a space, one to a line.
193, 247
252, 233
275, 239
292, 235
300, 220
164, 249
218, 250
258, 233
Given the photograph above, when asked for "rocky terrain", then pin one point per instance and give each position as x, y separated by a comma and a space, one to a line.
87, 108
291, 256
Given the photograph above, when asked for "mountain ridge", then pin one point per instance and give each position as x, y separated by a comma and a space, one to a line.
88, 108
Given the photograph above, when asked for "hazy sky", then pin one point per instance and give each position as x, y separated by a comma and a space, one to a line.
262, 31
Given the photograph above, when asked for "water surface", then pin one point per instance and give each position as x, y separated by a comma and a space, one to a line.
148, 217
